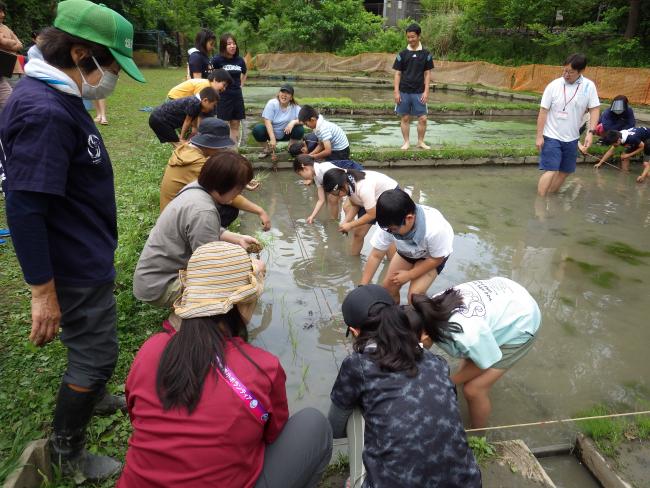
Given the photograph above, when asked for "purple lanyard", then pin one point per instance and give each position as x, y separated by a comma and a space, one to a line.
252, 404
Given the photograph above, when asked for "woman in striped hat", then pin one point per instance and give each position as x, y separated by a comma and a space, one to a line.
209, 409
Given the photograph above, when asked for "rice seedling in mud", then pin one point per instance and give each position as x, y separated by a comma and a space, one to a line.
626, 252
304, 387
259, 178
293, 338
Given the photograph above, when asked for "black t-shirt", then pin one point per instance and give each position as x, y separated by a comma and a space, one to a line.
50, 145
199, 63
413, 64
635, 136
414, 435
235, 67
174, 111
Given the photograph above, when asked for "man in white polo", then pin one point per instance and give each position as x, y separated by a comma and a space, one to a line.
565, 101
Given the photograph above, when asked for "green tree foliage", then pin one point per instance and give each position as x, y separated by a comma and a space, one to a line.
26, 16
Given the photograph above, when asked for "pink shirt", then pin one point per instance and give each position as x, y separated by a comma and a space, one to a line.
221, 443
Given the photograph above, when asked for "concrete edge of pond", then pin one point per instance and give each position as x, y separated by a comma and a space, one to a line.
422, 163
33, 466
254, 110
602, 470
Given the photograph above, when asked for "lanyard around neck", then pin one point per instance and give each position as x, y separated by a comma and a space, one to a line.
574, 95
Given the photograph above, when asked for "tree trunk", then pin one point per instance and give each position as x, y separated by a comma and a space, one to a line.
633, 19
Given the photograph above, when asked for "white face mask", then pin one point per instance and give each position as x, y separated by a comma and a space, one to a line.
104, 87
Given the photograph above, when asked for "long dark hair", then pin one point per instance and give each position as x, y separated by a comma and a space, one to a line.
431, 315
202, 38
337, 178
191, 353
397, 344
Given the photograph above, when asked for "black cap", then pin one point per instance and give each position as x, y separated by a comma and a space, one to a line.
287, 88
357, 305
213, 133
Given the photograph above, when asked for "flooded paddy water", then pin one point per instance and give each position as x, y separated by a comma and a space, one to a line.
575, 252
259, 95
384, 131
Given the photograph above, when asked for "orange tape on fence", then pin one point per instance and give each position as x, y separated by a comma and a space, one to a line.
632, 82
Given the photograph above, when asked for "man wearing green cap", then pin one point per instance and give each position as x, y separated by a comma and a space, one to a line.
60, 205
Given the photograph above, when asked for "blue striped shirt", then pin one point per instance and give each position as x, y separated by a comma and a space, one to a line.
329, 131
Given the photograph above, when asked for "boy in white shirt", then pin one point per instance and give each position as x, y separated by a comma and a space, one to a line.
565, 101
422, 237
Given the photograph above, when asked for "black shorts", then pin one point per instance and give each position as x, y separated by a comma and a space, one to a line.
231, 106
439, 269
164, 130
341, 154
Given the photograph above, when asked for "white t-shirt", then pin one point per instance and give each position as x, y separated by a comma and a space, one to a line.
319, 171
279, 117
437, 241
566, 105
367, 191
497, 311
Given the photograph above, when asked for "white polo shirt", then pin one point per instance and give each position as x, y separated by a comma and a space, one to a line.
437, 241
566, 104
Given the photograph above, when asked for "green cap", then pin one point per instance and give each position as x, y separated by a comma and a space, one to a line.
100, 24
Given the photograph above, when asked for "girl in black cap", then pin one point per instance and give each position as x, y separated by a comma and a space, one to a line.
413, 432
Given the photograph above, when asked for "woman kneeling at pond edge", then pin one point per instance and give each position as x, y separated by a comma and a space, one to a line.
280, 121
209, 409
190, 220
414, 435
362, 189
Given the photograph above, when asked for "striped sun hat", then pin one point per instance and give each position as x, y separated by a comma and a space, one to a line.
218, 275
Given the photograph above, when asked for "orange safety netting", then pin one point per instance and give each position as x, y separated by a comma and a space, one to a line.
632, 82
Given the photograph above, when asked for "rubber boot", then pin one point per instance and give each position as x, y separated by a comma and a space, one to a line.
108, 404
71, 416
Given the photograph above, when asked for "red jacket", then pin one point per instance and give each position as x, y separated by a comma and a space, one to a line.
221, 444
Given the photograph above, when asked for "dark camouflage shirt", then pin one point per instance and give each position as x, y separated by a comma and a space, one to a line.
414, 436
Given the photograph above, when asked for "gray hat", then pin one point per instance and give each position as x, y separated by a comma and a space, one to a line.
213, 133
357, 305
287, 88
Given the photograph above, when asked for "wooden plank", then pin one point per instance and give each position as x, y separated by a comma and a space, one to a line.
591, 457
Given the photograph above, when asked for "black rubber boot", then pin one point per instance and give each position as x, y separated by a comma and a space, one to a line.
108, 404
71, 416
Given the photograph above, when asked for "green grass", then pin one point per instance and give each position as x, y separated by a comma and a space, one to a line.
608, 434
483, 450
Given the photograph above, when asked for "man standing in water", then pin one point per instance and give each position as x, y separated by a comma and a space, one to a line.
411, 85
565, 101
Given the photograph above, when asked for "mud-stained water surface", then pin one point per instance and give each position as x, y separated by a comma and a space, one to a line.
582, 254
259, 94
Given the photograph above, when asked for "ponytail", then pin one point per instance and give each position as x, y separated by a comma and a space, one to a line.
189, 356
431, 315
397, 346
